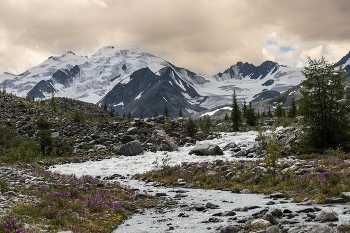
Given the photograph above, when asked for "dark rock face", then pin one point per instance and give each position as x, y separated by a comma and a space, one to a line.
268, 94
268, 82
145, 93
207, 149
64, 77
241, 70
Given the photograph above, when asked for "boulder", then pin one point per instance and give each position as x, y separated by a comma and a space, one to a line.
322, 229
230, 229
162, 141
327, 215
230, 146
260, 223
206, 149
345, 195
131, 148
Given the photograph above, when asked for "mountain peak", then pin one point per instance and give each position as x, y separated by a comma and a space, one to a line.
343, 60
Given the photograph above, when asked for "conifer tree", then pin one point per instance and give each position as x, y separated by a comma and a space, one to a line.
244, 109
279, 111
236, 115
251, 115
166, 111
180, 113
324, 105
292, 110
269, 114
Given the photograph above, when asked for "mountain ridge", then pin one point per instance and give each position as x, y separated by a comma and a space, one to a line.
92, 79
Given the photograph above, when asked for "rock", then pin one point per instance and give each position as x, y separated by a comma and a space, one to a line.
162, 141
199, 207
230, 229
241, 153
270, 218
180, 195
160, 194
327, 215
335, 200
276, 212
306, 210
131, 148
322, 229
127, 138
345, 195
183, 215
260, 223
273, 229
246, 208
211, 206
10, 193
206, 149
277, 195
230, 146
230, 213
245, 191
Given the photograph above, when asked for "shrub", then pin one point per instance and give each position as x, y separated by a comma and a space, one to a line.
78, 116
42, 123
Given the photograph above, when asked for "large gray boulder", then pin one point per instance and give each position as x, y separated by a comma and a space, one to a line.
162, 141
206, 149
131, 148
327, 215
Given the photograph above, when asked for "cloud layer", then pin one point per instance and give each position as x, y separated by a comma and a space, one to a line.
203, 35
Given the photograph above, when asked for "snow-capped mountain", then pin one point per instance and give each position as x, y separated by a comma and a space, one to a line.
264, 81
345, 62
21, 84
144, 93
130, 80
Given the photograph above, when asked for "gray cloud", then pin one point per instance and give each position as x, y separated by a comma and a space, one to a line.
203, 35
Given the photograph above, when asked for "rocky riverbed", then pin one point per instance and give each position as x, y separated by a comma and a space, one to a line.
201, 210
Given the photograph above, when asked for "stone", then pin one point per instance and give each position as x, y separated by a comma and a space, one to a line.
160, 194
335, 200
276, 212
211, 206
327, 215
230, 229
322, 229
199, 207
270, 218
230, 146
162, 141
206, 149
273, 229
131, 148
241, 153
277, 195
345, 195
230, 213
260, 223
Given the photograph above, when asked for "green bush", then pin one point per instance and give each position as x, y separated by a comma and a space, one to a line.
42, 123
78, 116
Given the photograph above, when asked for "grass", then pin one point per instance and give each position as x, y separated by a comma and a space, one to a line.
66, 202
328, 177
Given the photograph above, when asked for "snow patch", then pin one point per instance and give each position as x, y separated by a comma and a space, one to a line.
213, 112
120, 104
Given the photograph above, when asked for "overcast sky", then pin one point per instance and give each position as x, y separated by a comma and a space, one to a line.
205, 36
